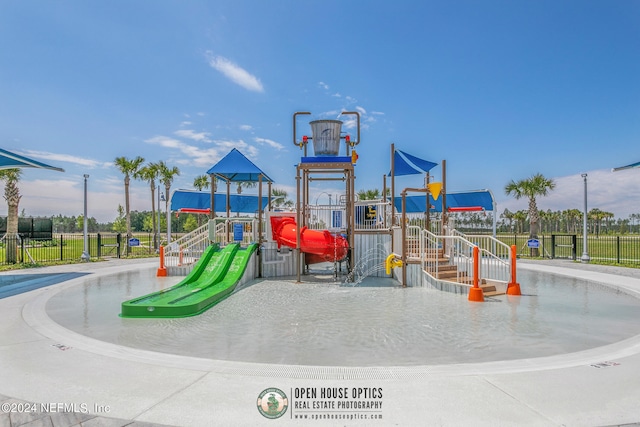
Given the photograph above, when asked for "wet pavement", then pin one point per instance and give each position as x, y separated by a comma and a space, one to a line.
45, 363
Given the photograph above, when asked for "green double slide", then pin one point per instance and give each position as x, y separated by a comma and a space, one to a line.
213, 278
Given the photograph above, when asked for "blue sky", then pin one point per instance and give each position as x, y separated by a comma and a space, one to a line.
500, 89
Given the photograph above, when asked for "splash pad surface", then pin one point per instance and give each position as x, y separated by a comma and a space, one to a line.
373, 324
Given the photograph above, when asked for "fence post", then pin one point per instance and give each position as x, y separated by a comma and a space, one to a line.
99, 246
553, 246
61, 254
574, 245
618, 248
119, 242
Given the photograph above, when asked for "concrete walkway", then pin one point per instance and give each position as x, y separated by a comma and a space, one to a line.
50, 376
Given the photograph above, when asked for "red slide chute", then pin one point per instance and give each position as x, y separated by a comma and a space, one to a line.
318, 245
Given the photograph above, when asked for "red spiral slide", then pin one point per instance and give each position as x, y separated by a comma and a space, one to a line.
318, 245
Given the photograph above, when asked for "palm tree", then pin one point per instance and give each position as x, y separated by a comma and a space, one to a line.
508, 215
280, 199
12, 196
201, 182
129, 168
166, 177
245, 184
369, 194
532, 187
150, 173
521, 218
597, 216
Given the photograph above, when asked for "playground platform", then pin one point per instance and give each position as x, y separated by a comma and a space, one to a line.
44, 364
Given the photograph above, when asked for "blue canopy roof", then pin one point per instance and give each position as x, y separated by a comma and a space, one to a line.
415, 204
9, 160
406, 164
236, 167
632, 165
189, 199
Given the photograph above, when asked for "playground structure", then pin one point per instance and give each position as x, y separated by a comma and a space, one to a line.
351, 239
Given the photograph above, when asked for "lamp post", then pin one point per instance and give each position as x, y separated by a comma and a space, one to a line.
85, 253
585, 251
318, 197
160, 197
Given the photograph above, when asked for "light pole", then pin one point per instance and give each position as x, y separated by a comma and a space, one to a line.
318, 197
160, 195
85, 253
585, 251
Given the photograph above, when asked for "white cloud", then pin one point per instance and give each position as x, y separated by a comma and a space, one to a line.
337, 95
235, 73
46, 197
191, 134
361, 110
269, 142
54, 157
323, 85
246, 149
199, 156
246, 127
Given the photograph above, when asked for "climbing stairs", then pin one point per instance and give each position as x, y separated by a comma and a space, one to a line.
439, 266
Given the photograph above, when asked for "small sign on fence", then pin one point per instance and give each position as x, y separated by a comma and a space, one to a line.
336, 219
134, 242
237, 232
533, 243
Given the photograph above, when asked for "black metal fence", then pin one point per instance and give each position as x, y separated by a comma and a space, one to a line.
620, 249
70, 247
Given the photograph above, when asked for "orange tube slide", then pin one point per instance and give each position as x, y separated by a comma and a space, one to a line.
318, 245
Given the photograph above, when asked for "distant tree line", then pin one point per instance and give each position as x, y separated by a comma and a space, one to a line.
141, 221
568, 221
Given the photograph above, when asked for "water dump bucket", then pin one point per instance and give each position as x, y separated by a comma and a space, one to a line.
326, 137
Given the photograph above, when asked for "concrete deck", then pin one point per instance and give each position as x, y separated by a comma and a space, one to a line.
50, 376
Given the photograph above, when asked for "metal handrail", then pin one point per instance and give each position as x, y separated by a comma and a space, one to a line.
458, 250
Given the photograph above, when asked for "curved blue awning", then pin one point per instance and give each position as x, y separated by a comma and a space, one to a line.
416, 204
189, 199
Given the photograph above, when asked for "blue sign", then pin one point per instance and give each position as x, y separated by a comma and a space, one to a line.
533, 243
237, 232
336, 219
134, 242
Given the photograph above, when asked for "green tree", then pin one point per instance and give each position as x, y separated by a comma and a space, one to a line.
200, 183
120, 224
190, 223
245, 184
280, 200
508, 216
12, 196
369, 194
129, 168
521, 218
150, 173
92, 224
537, 185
